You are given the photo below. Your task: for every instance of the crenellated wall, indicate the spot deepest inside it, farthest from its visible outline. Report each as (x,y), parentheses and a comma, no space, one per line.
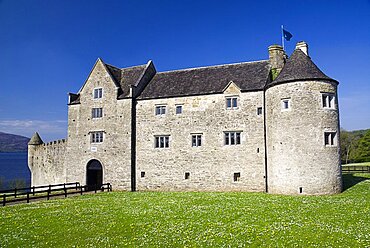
(46,162)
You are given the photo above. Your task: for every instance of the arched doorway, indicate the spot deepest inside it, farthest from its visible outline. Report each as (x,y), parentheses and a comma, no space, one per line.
(94,174)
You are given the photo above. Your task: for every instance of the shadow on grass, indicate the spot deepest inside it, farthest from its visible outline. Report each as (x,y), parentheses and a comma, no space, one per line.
(350,180)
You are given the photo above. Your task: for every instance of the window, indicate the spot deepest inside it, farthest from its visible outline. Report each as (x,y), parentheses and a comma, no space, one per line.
(96,137)
(187,175)
(237,177)
(259,111)
(231,102)
(162,142)
(98,93)
(160,110)
(196,140)
(328,101)
(97,113)
(142,174)
(179,109)
(330,138)
(285,104)
(232,138)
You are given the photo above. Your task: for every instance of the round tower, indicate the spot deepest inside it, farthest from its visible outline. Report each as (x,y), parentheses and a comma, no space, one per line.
(32,145)
(302,129)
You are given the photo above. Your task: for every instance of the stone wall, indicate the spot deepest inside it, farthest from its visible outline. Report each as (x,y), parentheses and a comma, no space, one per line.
(114,153)
(211,166)
(46,163)
(298,160)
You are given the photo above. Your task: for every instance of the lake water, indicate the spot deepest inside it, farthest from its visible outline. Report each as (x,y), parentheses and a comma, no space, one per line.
(14,166)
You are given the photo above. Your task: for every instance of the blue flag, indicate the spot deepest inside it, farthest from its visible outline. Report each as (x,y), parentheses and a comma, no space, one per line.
(287,35)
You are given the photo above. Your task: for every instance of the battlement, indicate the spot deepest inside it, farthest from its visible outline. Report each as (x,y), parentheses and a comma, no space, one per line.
(55,142)
(46,161)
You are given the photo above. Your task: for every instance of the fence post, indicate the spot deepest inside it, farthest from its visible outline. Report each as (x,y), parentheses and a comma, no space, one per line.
(81,189)
(15,193)
(65,190)
(95,187)
(33,189)
(28,197)
(49,191)
(4,199)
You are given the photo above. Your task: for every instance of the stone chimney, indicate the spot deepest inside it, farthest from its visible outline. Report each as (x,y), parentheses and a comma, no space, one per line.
(276,57)
(303,46)
(277,60)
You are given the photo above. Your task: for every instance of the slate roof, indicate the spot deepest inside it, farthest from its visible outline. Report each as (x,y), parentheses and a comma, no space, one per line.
(248,76)
(125,77)
(299,67)
(36,139)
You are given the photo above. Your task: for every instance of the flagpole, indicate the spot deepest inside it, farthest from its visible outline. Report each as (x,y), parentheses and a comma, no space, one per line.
(282,36)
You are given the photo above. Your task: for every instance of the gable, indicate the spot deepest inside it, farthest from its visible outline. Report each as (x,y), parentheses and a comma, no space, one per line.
(98,76)
(232,88)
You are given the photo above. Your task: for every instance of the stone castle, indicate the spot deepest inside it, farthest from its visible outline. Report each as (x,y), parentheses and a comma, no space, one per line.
(267,126)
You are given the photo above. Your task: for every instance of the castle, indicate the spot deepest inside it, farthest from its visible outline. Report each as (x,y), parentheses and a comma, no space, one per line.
(266,126)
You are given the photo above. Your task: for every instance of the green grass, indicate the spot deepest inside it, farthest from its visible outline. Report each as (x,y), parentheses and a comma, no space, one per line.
(358,164)
(193,219)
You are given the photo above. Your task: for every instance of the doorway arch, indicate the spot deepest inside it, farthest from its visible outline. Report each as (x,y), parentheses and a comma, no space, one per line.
(94,174)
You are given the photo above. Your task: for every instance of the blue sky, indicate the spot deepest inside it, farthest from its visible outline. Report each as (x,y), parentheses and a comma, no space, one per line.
(48,48)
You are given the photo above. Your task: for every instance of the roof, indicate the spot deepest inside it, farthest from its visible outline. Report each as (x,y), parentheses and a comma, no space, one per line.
(299,67)
(123,78)
(248,76)
(35,140)
(126,77)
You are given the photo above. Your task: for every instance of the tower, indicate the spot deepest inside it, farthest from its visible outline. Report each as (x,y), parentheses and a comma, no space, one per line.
(32,146)
(302,129)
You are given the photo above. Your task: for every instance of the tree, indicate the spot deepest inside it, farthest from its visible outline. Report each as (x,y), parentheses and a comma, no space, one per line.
(363,149)
(349,145)
(2,180)
(17,183)
(346,140)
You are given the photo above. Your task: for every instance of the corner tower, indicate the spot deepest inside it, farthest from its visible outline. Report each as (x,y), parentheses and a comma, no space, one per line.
(34,142)
(302,129)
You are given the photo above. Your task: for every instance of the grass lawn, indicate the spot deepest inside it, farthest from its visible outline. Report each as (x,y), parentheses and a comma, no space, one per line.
(193,219)
(358,164)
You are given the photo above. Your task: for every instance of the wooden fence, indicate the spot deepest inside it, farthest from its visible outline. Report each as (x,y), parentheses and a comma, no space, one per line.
(355,169)
(49,191)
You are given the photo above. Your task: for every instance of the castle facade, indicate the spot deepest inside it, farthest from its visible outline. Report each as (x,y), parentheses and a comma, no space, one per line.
(266,126)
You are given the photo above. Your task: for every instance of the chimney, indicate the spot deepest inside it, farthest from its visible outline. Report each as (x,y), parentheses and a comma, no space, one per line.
(276,57)
(303,46)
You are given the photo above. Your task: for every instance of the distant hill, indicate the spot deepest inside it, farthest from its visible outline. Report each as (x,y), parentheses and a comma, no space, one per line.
(13,143)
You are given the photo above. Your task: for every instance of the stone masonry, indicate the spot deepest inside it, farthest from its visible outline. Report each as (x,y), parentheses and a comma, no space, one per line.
(266,126)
